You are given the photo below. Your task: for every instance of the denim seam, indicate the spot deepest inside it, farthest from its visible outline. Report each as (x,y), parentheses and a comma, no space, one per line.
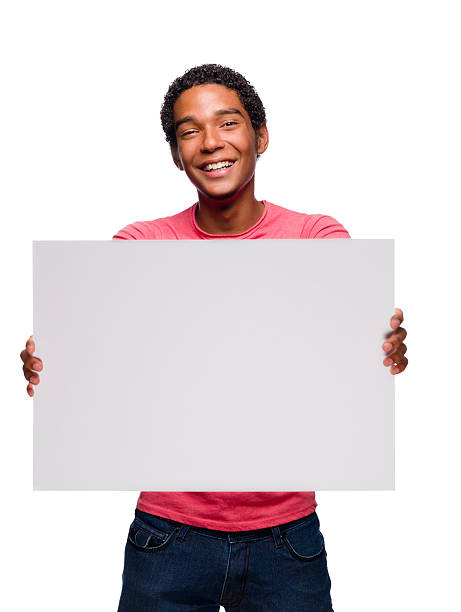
(151,529)
(241,595)
(308,558)
(307,519)
(227,569)
(154,549)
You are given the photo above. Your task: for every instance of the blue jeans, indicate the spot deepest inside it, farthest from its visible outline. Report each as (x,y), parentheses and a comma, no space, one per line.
(174,567)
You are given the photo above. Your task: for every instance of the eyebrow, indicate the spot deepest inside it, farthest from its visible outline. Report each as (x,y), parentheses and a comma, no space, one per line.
(223,111)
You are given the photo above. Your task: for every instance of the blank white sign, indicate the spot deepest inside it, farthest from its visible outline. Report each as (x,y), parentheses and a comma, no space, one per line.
(214,365)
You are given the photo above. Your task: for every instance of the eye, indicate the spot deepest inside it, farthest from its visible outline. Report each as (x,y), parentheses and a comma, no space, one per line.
(187,133)
(231,123)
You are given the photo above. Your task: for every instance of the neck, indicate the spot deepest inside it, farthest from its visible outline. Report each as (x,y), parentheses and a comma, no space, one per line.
(232,215)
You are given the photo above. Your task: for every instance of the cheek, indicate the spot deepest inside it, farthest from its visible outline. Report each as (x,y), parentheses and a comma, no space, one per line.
(247,150)
(184,156)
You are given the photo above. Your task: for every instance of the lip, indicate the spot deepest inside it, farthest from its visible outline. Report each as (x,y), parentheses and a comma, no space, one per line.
(218,173)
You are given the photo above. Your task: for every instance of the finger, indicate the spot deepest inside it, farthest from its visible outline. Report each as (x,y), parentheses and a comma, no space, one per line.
(395,339)
(29,350)
(31,362)
(395,357)
(396,369)
(397,349)
(30,346)
(34,363)
(397,318)
(30,390)
(32,377)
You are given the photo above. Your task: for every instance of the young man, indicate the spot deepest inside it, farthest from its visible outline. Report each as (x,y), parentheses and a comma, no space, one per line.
(199,550)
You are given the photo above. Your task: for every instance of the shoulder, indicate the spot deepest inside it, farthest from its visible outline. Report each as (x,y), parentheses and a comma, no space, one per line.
(164,228)
(139,230)
(308,225)
(323,226)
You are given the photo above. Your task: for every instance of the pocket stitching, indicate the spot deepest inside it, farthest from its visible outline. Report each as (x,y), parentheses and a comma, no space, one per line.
(302,557)
(152,549)
(152,530)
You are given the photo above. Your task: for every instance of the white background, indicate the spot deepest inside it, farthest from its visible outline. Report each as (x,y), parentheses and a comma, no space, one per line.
(363,104)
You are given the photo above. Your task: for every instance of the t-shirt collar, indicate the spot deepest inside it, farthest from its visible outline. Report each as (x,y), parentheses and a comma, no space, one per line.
(205,234)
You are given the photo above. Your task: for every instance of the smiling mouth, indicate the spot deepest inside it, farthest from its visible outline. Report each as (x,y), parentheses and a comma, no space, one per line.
(217,169)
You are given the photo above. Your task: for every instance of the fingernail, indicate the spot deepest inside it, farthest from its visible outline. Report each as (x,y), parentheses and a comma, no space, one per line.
(387,346)
(387,361)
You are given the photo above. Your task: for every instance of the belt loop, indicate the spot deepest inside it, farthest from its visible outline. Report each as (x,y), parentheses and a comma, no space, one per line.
(276,536)
(182,532)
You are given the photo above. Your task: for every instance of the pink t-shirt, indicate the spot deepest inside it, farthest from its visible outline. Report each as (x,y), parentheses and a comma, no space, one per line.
(232,511)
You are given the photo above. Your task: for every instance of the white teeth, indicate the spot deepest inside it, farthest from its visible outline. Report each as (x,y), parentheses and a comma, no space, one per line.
(223,164)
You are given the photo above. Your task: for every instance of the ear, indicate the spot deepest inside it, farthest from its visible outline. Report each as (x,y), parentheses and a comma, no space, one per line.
(176,158)
(262,140)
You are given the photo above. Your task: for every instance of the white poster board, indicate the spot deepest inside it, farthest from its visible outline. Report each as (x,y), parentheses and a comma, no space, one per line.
(214,365)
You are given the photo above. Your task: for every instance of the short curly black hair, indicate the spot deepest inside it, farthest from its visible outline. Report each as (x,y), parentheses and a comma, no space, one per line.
(211,73)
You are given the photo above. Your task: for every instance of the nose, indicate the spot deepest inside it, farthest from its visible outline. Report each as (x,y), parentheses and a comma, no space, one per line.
(211,140)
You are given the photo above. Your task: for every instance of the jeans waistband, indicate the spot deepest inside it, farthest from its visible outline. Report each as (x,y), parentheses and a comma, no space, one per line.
(234,536)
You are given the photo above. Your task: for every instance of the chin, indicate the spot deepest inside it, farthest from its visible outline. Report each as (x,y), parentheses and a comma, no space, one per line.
(224,195)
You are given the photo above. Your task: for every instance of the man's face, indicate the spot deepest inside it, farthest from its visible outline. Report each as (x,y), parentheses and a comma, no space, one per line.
(213,126)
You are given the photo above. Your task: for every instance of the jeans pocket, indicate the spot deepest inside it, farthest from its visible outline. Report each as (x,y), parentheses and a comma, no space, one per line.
(147,538)
(305,541)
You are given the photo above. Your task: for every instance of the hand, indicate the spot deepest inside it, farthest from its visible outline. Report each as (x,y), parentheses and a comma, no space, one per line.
(31,363)
(394,346)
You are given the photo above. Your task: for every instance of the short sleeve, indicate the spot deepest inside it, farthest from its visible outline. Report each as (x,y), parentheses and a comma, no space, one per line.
(323,226)
(139,230)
